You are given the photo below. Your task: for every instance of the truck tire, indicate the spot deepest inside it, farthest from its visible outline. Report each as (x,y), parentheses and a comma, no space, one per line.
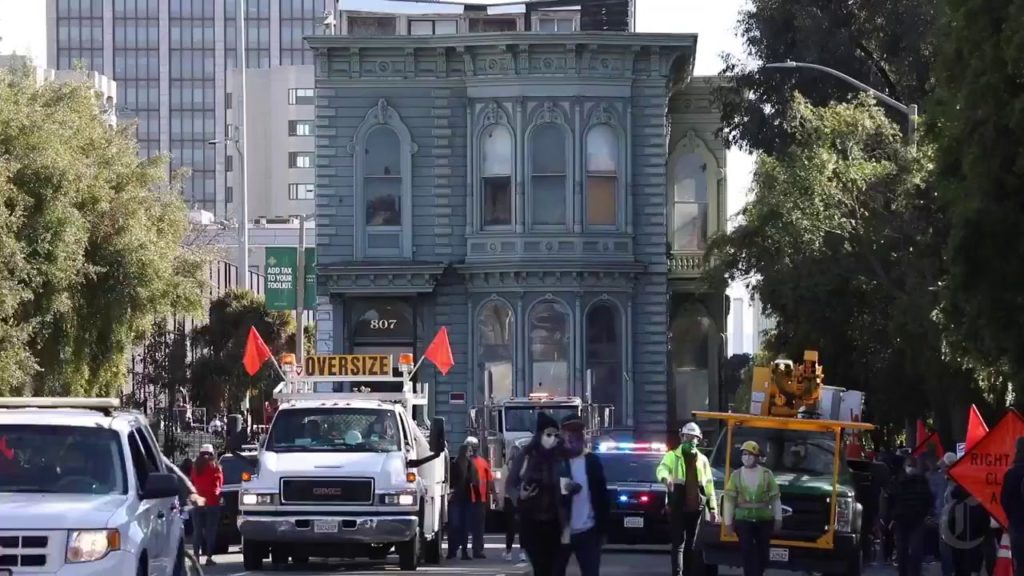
(252,555)
(433,549)
(279,556)
(409,554)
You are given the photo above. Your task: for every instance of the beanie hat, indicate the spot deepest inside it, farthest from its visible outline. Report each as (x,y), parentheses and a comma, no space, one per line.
(545,421)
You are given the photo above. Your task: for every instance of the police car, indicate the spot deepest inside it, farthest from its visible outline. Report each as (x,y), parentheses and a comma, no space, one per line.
(84,491)
(638,500)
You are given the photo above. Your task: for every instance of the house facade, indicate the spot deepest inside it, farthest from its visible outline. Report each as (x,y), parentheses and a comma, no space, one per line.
(545,197)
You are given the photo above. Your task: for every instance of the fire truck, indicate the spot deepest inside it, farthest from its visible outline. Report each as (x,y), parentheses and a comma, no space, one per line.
(502,423)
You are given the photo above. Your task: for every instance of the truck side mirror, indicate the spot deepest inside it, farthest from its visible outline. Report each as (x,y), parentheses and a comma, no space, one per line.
(437,437)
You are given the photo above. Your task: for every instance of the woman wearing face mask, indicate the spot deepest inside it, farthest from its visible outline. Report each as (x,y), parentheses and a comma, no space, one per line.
(208,479)
(752,508)
(543,510)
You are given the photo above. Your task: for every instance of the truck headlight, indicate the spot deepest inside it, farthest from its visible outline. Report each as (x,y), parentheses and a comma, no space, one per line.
(398,499)
(91,545)
(844,514)
(254,499)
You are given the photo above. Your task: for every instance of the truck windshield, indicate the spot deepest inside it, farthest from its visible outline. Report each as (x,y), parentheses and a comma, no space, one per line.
(334,429)
(61,459)
(783,451)
(524,418)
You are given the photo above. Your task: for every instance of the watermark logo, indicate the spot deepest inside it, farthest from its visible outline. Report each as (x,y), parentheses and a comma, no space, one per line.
(954,525)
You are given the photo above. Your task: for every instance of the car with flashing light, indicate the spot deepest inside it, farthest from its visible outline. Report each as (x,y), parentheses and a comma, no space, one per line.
(821,515)
(85,491)
(638,500)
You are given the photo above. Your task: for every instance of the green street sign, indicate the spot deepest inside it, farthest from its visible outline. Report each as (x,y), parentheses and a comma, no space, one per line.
(281,275)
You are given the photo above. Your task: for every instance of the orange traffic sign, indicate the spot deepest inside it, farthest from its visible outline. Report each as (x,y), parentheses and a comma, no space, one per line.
(982,468)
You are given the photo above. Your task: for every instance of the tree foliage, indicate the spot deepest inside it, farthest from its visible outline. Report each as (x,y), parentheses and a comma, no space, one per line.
(218,379)
(887,44)
(979,125)
(90,242)
(842,241)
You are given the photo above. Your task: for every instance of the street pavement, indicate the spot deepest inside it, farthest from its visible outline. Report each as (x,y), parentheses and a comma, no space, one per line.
(616,561)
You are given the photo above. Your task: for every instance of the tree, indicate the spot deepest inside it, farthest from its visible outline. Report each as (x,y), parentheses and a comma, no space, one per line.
(979,126)
(218,379)
(840,243)
(887,44)
(90,242)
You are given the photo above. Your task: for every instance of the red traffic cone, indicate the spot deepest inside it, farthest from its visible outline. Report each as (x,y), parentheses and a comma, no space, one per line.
(1004,565)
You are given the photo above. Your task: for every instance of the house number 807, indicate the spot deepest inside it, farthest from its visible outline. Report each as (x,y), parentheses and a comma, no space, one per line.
(382,324)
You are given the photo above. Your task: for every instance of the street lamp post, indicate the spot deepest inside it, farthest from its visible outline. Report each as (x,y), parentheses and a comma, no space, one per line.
(300,293)
(910,111)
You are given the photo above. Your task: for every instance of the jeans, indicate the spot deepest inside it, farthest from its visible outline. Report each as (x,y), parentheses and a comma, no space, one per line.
(511,524)
(543,544)
(204,524)
(910,548)
(755,543)
(946,557)
(458,525)
(477,519)
(684,532)
(586,546)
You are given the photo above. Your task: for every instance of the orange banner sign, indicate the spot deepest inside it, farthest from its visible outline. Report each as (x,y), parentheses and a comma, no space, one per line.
(982,468)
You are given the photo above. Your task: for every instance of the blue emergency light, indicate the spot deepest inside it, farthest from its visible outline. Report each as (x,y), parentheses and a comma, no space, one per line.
(649,447)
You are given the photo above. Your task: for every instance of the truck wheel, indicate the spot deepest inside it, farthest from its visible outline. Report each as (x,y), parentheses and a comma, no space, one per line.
(433,549)
(252,555)
(409,554)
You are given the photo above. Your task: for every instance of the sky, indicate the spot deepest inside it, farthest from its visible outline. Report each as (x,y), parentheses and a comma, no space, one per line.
(23,30)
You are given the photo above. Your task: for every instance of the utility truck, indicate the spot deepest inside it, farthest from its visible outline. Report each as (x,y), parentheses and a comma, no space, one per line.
(501,423)
(346,470)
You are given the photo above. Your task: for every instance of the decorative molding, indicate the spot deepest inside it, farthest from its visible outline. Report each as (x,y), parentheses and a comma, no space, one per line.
(358,278)
(442,62)
(354,63)
(602,113)
(550,112)
(323,59)
(686,264)
(494,113)
(548,281)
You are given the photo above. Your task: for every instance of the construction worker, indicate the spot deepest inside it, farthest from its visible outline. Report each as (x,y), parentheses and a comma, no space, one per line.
(752,509)
(687,476)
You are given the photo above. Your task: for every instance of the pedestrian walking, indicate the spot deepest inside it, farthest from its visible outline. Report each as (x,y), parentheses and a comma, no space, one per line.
(752,509)
(590,508)
(543,511)
(1012,499)
(912,505)
(511,505)
(463,482)
(480,497)
(686,473)
(208,479)
(945,506)
(965,531)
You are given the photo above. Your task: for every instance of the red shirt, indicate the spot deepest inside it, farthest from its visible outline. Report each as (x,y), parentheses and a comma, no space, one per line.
(208,483)
(483,472)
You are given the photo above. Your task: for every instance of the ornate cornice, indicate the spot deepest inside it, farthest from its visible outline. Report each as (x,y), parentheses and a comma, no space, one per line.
(497,279)
(381,278)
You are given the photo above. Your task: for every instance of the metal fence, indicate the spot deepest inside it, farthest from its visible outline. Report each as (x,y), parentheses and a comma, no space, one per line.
(160,369)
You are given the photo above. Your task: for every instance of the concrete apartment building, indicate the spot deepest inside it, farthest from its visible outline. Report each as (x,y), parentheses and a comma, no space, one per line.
(104,87)
(546,197)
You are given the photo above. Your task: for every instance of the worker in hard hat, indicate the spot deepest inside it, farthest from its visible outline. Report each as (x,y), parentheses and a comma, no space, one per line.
(752,509)
(687,475)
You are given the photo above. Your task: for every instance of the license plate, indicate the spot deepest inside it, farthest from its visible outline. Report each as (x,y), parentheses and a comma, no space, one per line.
(325,526)
(633,522)
(778,554)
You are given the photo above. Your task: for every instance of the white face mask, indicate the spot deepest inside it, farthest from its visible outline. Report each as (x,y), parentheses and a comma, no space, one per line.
(549,440)
(749,460)
(910,470)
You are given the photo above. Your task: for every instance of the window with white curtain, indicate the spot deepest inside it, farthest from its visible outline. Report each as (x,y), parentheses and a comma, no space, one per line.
(550,340)
(602,166)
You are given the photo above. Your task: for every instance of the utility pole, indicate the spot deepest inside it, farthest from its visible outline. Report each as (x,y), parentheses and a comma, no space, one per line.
(243,126)
(300,294)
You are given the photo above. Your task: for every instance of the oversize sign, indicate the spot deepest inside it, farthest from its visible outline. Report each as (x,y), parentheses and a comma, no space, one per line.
(982,468)
(281,278)
(344,366)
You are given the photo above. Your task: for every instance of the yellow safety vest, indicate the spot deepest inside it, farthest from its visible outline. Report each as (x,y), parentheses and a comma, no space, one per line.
(673,467)
(752,503)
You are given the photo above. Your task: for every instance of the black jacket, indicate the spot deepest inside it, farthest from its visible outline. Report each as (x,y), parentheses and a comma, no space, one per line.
(912,500)
(598,486)
(1012,496)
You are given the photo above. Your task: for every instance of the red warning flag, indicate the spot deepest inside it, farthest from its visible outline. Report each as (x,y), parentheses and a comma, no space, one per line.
(256,352)
(440,352)
(976,427)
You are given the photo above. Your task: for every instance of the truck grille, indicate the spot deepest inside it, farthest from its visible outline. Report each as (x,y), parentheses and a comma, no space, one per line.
(324,490)
(810,515)
(23,551)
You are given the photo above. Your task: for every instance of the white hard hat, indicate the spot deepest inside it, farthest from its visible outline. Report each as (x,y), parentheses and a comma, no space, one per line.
(472,441)
(692,429)
(206,448)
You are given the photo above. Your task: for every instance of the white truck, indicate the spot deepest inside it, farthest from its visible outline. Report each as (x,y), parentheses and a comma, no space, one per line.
(347,473)
(500,424)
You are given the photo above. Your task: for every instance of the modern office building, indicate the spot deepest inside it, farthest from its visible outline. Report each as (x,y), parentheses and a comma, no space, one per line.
(545,197)
(172,60)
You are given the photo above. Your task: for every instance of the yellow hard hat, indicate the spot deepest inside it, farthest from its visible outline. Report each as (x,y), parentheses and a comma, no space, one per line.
(752,447)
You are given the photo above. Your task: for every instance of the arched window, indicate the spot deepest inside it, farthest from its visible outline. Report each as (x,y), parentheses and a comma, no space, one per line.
(549,175)
(495,344)
(690,203)
(382,178)
(602,176)
(692,329)
(496,174)
(604,354)
(549,336)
